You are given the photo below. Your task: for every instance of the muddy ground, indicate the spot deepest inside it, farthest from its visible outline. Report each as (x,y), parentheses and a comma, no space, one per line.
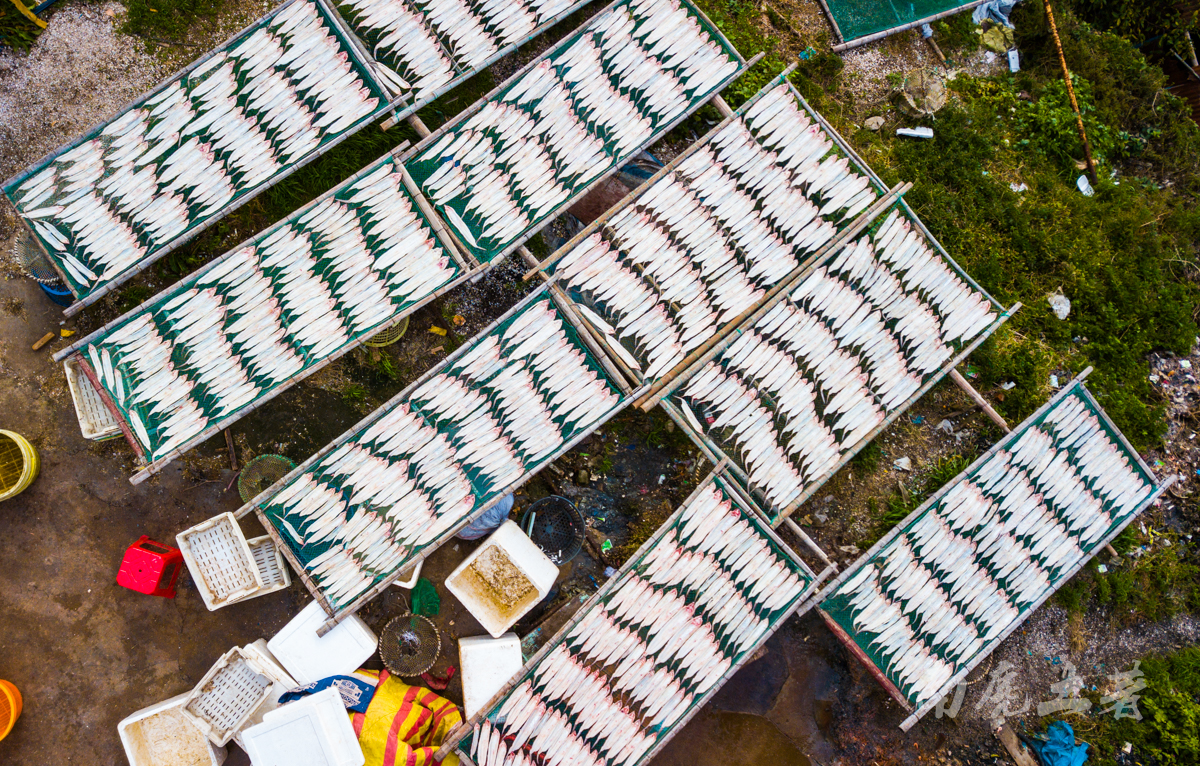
(86,653)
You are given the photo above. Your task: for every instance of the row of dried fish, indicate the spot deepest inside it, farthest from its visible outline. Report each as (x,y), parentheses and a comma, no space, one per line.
(297,294)
(963,571)
(422,47)
(704,243)
(186,152)
(631,71)
(854,342)
(495,413)
(650,649)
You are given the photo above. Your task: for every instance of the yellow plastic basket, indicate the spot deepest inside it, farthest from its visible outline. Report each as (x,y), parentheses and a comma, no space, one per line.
(10,707)
(18,464)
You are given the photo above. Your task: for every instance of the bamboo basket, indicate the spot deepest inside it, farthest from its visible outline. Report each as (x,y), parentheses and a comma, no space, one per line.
(19,464)
(390,335)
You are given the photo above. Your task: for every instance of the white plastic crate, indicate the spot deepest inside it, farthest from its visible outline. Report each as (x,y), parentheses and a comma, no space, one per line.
(220,560)
(272,569)
(487,665)
(96,422)
(281,683)
(313,731)
(229,694)
(162,735)
(309,657)
(526,557)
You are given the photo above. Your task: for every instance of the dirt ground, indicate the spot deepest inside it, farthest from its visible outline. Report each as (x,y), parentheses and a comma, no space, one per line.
(86,653)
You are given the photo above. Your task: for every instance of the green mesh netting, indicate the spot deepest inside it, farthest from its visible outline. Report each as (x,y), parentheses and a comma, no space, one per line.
(859,18)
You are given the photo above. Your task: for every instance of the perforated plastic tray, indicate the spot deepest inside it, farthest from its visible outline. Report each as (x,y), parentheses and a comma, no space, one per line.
(271,568)
(227,695)
(95,421)
(220,560)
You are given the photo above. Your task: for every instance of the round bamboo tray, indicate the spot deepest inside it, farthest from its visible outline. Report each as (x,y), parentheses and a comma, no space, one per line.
(19,464)
(389,336)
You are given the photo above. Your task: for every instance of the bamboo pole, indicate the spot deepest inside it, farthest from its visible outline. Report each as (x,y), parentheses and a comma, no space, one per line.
(976,397)
(702,355)
(1087,147)
(613,365)
(860,41)
(796,530)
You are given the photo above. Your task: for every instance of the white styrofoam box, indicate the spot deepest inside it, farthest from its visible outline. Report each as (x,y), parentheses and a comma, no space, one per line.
(411,582)
(96,422)
(537,568)
(312,731)
(487,664)
(219,557)
(230,693)
(161,735)
(281,683)
(310,658)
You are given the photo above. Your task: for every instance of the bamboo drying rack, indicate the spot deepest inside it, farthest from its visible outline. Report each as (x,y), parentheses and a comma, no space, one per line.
(1075,386)
(802,604)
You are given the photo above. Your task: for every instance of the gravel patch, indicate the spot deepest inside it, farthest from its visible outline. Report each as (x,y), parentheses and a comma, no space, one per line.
(81,71)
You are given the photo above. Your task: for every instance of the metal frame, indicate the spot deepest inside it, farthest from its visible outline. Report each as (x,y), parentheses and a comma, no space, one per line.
(916,713)
(805,601)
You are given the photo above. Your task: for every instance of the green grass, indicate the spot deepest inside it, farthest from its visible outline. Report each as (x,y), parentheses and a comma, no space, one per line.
(1125,257)
(902,503)
(167,19)
(16,30)
(1169,732)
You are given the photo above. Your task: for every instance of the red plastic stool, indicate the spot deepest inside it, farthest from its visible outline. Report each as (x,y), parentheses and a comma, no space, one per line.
(151,568)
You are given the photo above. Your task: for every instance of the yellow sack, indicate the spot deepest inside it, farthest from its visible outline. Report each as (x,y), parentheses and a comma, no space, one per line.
(404,725)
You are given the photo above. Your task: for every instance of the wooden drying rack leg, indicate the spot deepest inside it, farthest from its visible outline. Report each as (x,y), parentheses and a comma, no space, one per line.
(976,397)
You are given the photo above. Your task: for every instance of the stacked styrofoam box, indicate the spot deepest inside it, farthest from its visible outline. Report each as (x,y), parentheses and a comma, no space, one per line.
(312,731)
(309,657)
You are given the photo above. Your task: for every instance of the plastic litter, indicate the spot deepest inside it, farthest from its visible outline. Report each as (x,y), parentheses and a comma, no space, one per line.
(1059,304)
(1057,746)
(903,464)
(488,521)
(915,132)
(1085,187)
(995,10)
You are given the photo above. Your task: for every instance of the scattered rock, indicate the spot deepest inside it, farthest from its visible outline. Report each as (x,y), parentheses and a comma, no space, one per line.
(873,123)
(582,477)
(903,464)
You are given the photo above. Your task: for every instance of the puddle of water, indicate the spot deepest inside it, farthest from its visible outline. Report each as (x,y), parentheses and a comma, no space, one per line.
(718,738)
